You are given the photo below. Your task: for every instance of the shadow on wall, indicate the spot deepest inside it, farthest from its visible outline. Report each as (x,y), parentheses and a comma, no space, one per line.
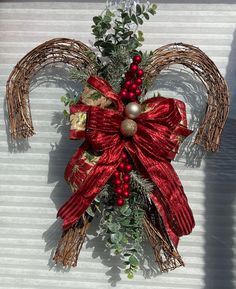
(231,77)
(61,152)
(220,205)
(220,201)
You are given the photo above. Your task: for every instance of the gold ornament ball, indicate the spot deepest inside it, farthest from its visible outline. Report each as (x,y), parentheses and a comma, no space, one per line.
(132,110)
(128,127)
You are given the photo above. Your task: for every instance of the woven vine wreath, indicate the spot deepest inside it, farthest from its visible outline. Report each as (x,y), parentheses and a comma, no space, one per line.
(124,162)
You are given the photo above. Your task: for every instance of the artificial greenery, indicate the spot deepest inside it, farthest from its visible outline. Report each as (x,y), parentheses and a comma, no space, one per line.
(112,31)
(122,227)
(117,39)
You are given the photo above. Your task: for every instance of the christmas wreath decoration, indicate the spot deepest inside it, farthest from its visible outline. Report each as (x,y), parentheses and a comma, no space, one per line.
(123,169)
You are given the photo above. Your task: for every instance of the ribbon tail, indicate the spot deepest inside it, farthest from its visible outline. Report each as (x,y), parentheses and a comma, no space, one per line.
(153,195)
(164,215)
(96,177)
(170,193)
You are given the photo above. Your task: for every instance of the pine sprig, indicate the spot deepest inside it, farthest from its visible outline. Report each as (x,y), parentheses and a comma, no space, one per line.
(140,184)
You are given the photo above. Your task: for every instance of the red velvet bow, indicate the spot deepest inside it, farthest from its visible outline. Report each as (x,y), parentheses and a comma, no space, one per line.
(152,148)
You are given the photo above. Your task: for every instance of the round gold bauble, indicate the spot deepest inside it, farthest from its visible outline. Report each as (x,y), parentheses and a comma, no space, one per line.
(128,127)
(132,110)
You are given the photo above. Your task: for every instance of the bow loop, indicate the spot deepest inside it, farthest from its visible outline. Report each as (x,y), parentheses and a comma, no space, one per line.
(161,110)
(102,128)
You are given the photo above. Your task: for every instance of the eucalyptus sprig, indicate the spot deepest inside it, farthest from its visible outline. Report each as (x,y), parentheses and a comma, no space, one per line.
(113,30)
(117,39)
(122,227)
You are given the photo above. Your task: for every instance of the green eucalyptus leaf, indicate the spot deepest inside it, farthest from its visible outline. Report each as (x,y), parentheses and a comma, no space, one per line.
(133,260)
(97,19)
(108,45)
(117,249)
(124,15)
(109,13)
(140,34)
(145,14)
(90,212)
(125,240)
(97,200)
(154,6)
(134,19)
(65,113)
(151,11)
(127,19)
(114,227)
(63,98)
(107,19)
(99,43)
(138,10)
(140,20)
(104,25)
(130,275)
(116,237)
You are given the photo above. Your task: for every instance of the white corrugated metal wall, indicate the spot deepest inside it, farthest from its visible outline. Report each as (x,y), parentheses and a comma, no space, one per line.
(31,181)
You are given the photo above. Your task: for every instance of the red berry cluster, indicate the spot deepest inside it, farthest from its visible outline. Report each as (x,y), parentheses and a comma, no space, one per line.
(121,180)
(133,81)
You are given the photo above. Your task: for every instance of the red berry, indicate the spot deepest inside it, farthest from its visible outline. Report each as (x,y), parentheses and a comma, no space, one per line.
(131,95)
(123,93)
(126,187)
(117,182)
(120,202)
(121,166)
(126,178)
(127,84)
(133,86)
(126,194)
(129,75)
(118,190)
(140,72)
(138,92)
(128,167)
(137,59)
(139,81)
(116,174)
(133,67)
(124,156)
